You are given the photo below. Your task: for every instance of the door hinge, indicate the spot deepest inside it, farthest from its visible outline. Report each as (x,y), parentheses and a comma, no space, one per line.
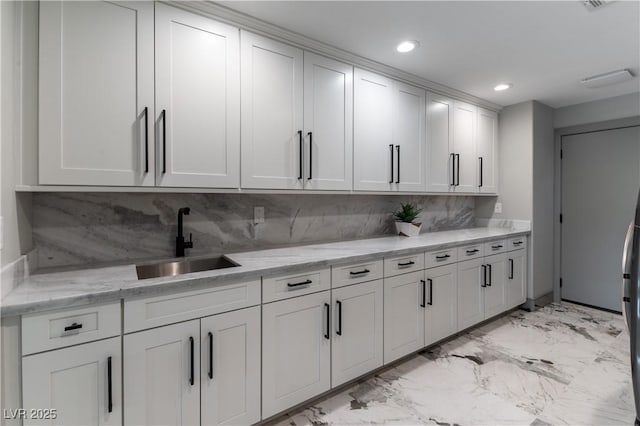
(560,217)
(560,282)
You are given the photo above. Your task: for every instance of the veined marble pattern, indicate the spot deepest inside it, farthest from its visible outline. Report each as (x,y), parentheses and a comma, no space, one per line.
(85,228)
(561,365)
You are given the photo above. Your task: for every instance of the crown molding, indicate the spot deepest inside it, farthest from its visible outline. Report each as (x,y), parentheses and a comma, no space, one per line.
(249,23)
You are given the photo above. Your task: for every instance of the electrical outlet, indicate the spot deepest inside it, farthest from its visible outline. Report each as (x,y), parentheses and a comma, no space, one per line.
(258,215)
(498,208)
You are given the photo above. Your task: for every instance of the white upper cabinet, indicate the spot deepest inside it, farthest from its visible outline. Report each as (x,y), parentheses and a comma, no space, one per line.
(373,148)
(197,100)
(96,96)
(439,143)
(409,137)
(271,113)
(487,147)
(328,129)
(464,147)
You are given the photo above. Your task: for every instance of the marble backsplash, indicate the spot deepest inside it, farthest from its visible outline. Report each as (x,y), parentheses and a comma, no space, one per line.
(74,229)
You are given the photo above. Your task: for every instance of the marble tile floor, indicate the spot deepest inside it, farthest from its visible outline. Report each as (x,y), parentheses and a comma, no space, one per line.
(563,364)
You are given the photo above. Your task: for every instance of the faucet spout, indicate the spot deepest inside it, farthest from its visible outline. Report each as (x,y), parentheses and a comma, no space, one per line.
(181,244)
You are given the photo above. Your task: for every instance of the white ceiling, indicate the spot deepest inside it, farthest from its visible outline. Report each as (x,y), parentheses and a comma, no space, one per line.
(543,47)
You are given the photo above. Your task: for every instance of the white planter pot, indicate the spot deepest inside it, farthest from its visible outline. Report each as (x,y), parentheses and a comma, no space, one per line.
(408,229)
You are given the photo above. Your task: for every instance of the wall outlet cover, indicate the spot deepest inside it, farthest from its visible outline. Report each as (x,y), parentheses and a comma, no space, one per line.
(498,208)
(258,215)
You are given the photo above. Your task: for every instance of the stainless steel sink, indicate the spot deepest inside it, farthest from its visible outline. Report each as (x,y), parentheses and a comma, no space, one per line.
(167,269)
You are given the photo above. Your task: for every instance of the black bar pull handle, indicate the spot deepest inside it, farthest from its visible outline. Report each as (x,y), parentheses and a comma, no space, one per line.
(497,246)
(164,141)
(423,304)
(364,271)
(481,173)
(310,134)
(305,282)
(327,309)
(430,291)
(490,268)
(146,139)
(517,243)
(474,251)
(510,269)
(191,357)
(484,276)
(300,153)
(109,386)
(74,326)
(398,152)
(443,257)
(457,169)
(409,263)
(210,334)
(452,156)
(391,149)
(339,327)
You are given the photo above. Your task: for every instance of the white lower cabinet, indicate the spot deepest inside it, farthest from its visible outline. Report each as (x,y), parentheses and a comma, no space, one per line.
(230,365)
(494,291)
(296,351)
(404,315)
(441,316)
(162,375)
(82,383)
(357,331)
(470,300)
(515,283)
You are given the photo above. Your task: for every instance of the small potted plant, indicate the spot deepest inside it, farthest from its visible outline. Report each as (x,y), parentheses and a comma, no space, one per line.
(404,220)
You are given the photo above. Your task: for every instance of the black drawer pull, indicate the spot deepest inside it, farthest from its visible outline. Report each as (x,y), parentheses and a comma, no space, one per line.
(510,269)
(423,304)
(339,328)
(430,291)
(74,326)
(192,361)
(443,257)
(328,311)
(496,247)
(490,267)
(306,282)
(517,243)
(109,386)
(474,251)
(409,263)
(484,276)
(364,271)
(210,373)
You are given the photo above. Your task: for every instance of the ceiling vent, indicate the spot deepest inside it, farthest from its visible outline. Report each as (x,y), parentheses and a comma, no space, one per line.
(607,79)
(592,5)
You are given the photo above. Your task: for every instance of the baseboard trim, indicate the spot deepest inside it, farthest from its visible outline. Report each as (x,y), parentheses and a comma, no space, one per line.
(533,304)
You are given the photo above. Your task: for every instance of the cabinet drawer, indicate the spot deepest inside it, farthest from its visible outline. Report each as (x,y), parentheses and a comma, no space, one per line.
(357,273)
(57,329)
(441,257)
(284,287)
(493,247)
(403,264)
(517,243)
(151,312)
(470,252)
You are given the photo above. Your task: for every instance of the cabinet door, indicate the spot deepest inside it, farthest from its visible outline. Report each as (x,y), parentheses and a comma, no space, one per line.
(495,293)
(404,312)
(442,303)
(439,143)
(83,383)
(409,121)
(373,150)
(470,297)
(230,354)
(96,93)
(162,375)
(271,111)
(296,351)
(464,147)
(197,100)
(516,278)
(487,146)
(328,112)
(357,331)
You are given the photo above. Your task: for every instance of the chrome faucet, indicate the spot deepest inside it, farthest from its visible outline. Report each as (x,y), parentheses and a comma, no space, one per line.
(181,244)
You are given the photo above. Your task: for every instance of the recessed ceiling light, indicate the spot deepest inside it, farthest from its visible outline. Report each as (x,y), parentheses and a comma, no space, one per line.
(502,86)
(407,46)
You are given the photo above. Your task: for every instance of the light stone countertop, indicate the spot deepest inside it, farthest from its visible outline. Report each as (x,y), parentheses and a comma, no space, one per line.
(43,292)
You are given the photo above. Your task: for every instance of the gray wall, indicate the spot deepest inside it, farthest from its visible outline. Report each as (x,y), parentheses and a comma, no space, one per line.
(542,225)
(88,228)
(602,110)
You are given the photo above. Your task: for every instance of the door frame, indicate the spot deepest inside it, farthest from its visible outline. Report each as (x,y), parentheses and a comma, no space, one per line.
(559,133)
